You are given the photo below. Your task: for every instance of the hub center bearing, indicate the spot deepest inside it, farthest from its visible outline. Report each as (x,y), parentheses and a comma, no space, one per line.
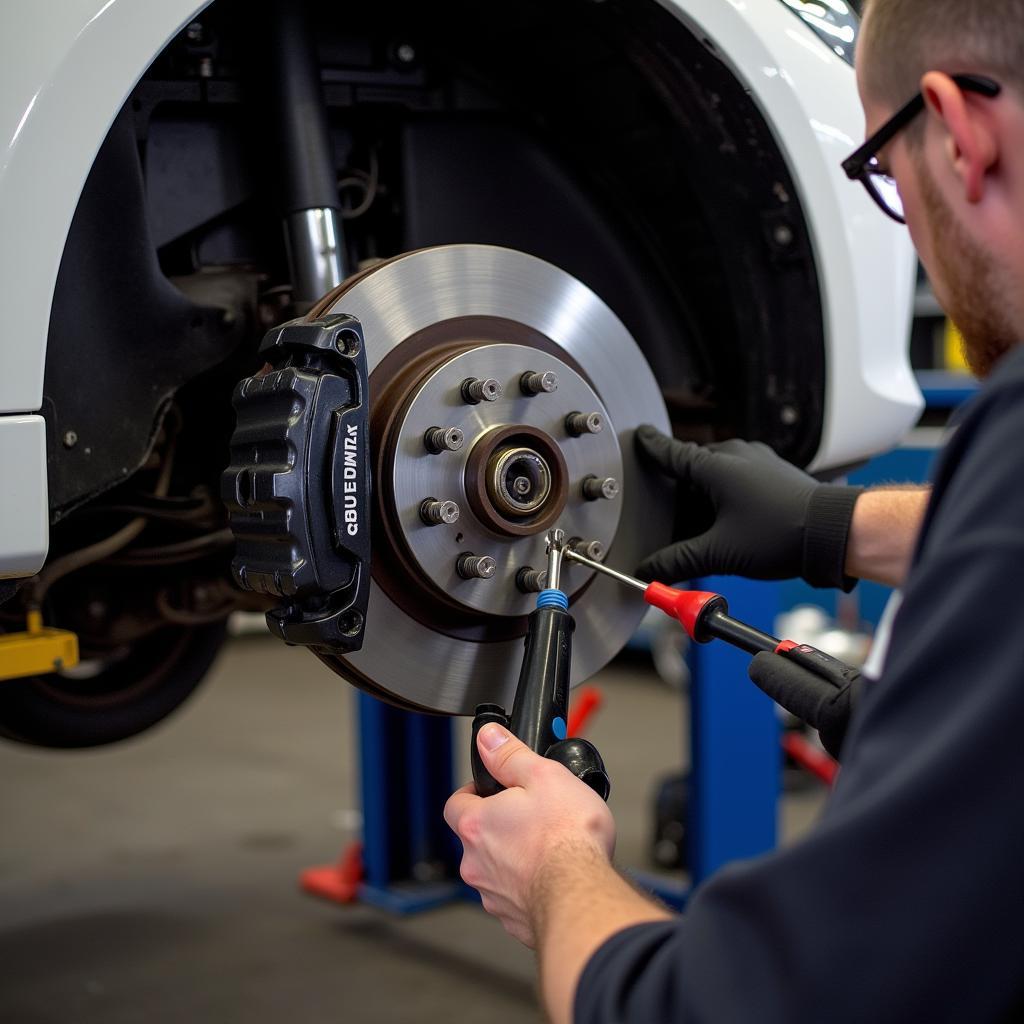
(518,481)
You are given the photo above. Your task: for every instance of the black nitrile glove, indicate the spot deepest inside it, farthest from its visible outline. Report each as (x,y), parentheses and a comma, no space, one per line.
(824,696)
(770,520)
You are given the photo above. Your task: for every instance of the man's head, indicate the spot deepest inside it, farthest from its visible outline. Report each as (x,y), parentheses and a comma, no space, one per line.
(960,165)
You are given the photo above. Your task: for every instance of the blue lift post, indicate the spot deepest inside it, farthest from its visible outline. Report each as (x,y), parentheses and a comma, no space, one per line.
(410,856)
(735,754)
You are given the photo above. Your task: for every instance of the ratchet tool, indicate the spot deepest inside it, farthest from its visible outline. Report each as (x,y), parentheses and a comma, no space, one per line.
(541,703)
(817,688)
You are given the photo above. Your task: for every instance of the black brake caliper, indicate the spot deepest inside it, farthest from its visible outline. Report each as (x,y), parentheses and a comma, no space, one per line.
(298,487)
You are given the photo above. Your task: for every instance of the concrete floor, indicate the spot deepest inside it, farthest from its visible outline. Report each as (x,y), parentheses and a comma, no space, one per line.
(156,880)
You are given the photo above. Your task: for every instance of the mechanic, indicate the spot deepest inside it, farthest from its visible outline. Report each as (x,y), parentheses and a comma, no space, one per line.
(906,900)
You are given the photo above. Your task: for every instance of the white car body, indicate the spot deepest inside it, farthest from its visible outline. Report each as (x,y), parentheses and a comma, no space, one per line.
(68,66)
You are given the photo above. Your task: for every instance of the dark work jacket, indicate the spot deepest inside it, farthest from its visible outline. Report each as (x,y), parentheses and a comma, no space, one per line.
(906,901)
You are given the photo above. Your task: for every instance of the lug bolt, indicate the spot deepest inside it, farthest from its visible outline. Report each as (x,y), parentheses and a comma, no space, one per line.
(592,549)
(476,567)
(530,580)
(443,439)
(439,513)
(595,488)
(580,423)
(475,391)
(538,383)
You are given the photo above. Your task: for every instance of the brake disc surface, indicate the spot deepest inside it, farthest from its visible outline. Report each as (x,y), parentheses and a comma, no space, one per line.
(434,320)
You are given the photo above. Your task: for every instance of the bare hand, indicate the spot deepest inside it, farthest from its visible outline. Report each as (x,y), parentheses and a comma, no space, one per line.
(544,815)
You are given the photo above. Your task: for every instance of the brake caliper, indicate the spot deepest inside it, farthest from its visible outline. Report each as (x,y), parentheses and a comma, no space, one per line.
(298,487)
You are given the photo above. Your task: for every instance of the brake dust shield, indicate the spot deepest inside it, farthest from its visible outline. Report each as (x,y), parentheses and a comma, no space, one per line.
(433,322)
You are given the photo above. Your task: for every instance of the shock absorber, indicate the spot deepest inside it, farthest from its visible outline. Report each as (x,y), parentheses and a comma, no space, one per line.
(307,175)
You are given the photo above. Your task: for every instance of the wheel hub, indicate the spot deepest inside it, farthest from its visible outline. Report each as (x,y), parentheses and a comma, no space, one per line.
(518,473)
(500,389)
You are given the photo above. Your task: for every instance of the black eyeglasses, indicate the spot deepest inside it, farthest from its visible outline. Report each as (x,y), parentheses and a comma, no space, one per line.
(863,166)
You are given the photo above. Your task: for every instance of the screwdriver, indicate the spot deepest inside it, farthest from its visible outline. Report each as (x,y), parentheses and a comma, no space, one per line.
(812,685)
(704,616)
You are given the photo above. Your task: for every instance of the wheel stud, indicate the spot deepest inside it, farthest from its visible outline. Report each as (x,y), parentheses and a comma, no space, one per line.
(580,423)
(439,513)
(592,549)
(538,383)
(595,488)
(476,567)
(530,580)
(443,439)
(475,391)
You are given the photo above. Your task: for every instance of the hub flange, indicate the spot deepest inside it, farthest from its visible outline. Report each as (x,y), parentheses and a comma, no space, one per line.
(512,442)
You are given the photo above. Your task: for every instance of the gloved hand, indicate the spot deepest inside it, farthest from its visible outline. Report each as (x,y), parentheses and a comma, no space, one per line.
(817,689)
(769,520)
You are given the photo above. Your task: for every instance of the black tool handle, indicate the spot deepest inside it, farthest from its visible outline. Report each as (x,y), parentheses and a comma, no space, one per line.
(540,710)
(583,760)
(541,707)
(486,784)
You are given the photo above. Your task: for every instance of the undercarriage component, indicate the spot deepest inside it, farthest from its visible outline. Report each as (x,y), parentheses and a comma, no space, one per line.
(111,694)
(37,649)
(117,319)
(308,181)
(298,487)
(448,600)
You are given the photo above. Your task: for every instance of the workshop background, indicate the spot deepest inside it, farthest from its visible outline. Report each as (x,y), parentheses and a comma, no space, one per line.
(274,849)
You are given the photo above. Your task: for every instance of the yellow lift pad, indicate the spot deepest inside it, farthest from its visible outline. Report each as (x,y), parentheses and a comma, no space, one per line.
(37,651)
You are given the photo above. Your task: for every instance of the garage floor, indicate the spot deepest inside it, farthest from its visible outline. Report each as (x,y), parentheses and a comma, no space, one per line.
(156,881)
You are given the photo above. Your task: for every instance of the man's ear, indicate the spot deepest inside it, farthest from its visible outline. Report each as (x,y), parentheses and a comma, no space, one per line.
(971,142)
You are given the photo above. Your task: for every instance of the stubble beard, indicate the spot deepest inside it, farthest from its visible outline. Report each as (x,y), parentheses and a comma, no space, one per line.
(973,296)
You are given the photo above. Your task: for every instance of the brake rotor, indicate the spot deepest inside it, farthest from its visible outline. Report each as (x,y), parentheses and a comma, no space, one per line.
(475,458)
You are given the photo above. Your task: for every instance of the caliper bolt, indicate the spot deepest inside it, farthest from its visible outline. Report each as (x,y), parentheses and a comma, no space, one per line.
(443,439)
(538,383)
(580,423)
(592,549)
(439,513)
(530,580)
(475,391)
(595,488)
(476,567)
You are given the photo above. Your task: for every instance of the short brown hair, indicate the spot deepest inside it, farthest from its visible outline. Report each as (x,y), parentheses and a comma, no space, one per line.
(906,38)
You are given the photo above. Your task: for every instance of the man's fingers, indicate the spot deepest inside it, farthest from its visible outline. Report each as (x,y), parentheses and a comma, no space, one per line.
(686,560)
(680,459)
(458,803)
(507,758)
